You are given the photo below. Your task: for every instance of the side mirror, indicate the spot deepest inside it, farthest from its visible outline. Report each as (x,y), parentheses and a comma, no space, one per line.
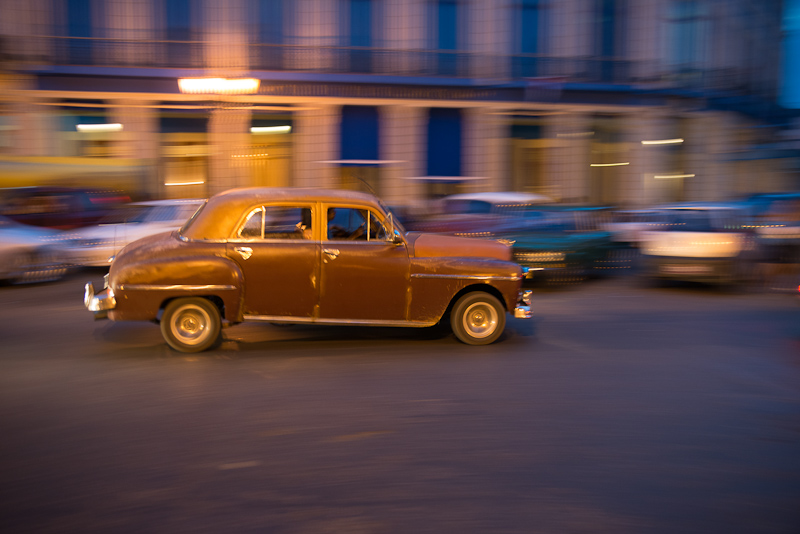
(392,235)
(388,224)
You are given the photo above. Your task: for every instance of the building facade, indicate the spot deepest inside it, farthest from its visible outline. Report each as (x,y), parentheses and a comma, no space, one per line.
(623,102)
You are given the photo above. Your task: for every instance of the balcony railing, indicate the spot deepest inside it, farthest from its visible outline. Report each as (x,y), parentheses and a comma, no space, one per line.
(364,60)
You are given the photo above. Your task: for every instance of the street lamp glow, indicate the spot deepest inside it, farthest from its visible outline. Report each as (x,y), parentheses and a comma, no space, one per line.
(183,183)
(115,127)
(677,141)
(270,129)
(670,176)
(218,85)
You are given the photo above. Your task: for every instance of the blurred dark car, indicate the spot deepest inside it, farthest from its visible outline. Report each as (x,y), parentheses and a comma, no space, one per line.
(477,214)
(61,208)
(556,242)
(561,243)
(777,228)
(762,204)
(29,254)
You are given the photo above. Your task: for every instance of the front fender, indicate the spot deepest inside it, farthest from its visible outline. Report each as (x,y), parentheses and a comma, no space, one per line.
(142,288)
(436,281)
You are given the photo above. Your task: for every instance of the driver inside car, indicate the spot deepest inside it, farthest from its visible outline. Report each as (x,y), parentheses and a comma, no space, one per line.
(354,224)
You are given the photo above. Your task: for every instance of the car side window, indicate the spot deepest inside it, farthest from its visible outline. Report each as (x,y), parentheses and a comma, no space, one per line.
(287,222)
(253,226)
(277,222)
(377,232)
(353,224)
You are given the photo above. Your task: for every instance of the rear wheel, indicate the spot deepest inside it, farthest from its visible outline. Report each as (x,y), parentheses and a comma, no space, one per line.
(478,318)
(191,324)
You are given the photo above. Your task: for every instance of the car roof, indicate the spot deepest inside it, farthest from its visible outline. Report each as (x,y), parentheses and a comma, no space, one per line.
(169,202)
(702,206)
(223,210)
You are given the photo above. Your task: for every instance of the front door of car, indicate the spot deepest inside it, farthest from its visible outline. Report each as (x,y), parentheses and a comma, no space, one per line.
(364,274)
(279,260)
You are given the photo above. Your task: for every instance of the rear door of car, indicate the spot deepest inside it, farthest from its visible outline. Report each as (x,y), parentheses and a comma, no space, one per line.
(364,274)
(279,257)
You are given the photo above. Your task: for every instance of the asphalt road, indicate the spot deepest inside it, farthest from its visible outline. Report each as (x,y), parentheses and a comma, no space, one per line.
(619,409)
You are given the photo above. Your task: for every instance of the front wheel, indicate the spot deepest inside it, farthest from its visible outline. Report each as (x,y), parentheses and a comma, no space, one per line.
(191,324)
(478,318)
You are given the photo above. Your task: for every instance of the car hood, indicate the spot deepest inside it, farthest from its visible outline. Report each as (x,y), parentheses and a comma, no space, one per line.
(559,240)
(122,233)
(437,246)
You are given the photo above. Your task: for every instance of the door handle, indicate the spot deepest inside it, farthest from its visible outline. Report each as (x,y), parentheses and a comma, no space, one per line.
(332,253)
(246,252)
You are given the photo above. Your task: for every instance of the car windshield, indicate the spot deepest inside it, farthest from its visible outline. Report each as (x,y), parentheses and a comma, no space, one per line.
(456,206)
(126,214)
(700,220)
(193,218)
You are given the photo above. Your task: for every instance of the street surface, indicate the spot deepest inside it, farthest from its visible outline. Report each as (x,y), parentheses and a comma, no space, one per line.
(619,409)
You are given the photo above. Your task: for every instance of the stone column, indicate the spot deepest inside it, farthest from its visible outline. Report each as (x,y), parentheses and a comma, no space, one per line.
(640,187)
(316,139)
(570,31)
(132,22)
(402,135)
(711,145)
(226,29)
(229,137)
(644,38)
(568,158)
(317,31)
(36,129)
(489,44)
(24,25)
(139,140)
(484,151)
(404,33)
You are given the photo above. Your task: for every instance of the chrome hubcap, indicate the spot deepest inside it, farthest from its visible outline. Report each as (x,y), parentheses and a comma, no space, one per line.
(190,325)
(480,320)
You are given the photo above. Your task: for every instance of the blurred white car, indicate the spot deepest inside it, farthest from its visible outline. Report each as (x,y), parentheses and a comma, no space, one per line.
(30,254)
(701,242)
(627,226)
(92,246)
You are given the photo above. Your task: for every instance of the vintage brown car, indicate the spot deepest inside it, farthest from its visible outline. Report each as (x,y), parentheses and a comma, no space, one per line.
(289,255)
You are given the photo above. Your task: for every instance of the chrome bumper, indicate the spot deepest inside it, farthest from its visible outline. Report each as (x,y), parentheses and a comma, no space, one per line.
(523,309)
(99,304)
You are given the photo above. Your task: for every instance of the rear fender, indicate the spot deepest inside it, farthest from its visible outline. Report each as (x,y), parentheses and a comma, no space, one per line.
(142,289)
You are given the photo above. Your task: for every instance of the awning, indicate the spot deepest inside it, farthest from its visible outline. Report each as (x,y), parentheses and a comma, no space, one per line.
(445,179)
(74,171)
(361,162)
